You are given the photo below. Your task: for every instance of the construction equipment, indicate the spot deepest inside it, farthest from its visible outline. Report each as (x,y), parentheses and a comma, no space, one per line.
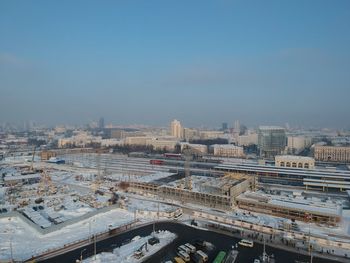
(97,182)
(46,187)
(189,154)
(32,164)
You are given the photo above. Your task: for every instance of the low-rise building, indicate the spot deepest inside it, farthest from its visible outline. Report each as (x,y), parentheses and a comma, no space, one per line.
(22,179)
(162,144)
(246,140)
(211,134)
(294,161)
(332,154)
(137,140)
(200,148)
(227,150)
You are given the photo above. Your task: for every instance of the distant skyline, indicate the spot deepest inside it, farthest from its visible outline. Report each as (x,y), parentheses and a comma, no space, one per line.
(201,62)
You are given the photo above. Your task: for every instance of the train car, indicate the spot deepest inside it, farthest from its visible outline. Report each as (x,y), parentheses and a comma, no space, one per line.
(176,156)
(156,162)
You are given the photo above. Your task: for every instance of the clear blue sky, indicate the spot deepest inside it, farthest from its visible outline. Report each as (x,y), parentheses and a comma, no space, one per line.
(203,62)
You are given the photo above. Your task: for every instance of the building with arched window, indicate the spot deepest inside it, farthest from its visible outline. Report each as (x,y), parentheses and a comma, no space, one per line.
(293,161)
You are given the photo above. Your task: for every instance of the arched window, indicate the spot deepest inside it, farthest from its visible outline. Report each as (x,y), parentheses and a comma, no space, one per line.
(306,165)
(282,164)
(300,165)
(288,164)
(294,165)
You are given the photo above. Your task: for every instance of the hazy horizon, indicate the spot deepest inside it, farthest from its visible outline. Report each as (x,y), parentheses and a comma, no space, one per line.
(201,62)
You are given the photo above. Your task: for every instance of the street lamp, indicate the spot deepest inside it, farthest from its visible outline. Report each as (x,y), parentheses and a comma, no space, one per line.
(81,255)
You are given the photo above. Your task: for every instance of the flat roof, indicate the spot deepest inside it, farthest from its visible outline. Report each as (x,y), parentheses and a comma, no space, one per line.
(22,177)
(271,128)
(294,157)
(316,207)
(284,170)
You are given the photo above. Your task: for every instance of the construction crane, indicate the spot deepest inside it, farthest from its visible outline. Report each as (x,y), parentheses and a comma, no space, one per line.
(45,185)
(189,154)
(32,164)
(97,182)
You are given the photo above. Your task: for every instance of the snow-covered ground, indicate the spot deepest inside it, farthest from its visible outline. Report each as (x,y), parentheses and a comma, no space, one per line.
(125,253)
(26,241)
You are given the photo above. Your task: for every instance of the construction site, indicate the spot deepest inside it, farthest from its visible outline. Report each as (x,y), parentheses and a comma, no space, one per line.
(52,195)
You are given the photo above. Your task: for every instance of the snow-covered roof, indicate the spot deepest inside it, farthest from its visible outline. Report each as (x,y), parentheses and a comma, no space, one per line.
(294,157)
(21,177)
(311,205)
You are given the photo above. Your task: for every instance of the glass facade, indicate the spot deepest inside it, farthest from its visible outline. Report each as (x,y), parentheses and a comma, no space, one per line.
(271,141)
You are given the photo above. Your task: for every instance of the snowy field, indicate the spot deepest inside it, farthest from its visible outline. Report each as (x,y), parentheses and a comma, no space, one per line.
(26,241)
(125,253)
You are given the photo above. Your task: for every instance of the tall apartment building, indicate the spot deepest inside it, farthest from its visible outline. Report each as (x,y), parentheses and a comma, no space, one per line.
(271,141)
(176,129)
(332,154)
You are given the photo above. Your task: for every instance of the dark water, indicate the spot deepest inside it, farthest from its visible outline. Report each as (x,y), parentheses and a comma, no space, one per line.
(187,234)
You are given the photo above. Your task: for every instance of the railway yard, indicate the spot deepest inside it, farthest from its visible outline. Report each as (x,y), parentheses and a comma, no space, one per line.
(46,206)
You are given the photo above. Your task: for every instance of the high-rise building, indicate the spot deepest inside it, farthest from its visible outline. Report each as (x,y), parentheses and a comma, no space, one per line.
(101,123)
(224,126)
(176,129)
(271,141)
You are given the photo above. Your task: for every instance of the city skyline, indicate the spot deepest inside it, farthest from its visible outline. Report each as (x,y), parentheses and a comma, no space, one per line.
(202,63)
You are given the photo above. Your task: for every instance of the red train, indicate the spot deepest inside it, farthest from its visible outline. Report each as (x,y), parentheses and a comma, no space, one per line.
(157,162)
